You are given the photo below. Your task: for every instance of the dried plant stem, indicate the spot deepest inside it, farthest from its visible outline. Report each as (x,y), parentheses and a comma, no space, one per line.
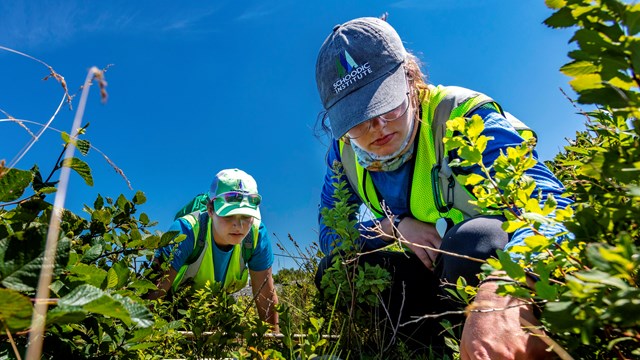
(554,346)
(13,343)
(36,336)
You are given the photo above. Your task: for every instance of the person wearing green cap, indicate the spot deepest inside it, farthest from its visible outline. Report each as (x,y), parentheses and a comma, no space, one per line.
(225,243)
(387,127)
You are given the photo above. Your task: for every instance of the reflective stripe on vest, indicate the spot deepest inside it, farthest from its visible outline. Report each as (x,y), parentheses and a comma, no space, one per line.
(202,269)
(442,104)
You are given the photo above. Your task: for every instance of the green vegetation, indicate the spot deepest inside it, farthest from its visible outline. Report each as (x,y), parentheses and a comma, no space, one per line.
(587,287)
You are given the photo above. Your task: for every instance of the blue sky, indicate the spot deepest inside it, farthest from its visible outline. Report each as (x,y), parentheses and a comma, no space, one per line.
(198,86)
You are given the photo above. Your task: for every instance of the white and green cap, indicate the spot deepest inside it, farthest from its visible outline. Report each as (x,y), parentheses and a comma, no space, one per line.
(234,192)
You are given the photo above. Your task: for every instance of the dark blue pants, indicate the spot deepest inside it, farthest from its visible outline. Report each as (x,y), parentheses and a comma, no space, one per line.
(416,290)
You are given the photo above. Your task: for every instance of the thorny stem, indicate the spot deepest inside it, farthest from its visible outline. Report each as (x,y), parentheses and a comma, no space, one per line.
(38,320)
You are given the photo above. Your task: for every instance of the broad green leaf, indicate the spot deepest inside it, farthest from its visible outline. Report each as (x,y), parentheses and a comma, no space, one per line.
(577,68)
(122,271)
(21,260)
(513,270)
(13,183)
(93,253)
(112,278)
(15,310)
(632,19)
(471,179)
(546,290)
(601,277)
(79,167)
(138,313)
(142,286)
(555,4)
(89,274)
(561,19)
(65,315)
(91,299)
(83,146)
(586,82)
(139,198)
(511,226)
(537,242)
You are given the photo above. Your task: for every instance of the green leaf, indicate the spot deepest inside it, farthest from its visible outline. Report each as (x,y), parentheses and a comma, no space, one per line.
(632,19)
(139,198)
(561,19)
(586,82)
(112,278)
(511,226)
(577,68)
(80,167)
(89,274)
(513,270)
(83,146)
(546,290)
(21,260)
(471,179)
(13,183)
(555,4)
(122,271)
(91,299)
(15,310)
(93,253)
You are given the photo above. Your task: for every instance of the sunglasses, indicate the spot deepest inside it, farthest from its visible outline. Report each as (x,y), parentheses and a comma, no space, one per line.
(235,197)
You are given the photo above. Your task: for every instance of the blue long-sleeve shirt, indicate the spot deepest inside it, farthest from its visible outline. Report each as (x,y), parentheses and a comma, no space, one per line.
(393,185)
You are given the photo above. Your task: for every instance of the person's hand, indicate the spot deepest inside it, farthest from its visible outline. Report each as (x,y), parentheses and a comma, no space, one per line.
(419,233)
(499,335)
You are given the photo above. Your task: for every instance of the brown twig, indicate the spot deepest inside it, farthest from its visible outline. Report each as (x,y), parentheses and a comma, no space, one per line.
(13,343)
(554,346)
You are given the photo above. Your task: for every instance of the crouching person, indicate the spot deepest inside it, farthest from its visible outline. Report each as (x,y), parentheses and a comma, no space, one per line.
(226,243)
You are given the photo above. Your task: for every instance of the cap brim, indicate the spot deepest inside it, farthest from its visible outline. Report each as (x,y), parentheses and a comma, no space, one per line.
(376,98)
(225,209)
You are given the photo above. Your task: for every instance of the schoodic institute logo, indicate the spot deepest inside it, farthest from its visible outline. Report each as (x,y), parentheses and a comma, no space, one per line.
(349,71)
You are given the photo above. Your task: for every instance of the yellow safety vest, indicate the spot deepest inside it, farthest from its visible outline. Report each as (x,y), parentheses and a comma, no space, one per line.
(434,193)
(202,270)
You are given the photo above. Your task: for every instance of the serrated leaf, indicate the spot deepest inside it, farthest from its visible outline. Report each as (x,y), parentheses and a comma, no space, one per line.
(47,190)
(91,299)
(13,183)
(89,274)
(21,260)
(15,310)
(80,167)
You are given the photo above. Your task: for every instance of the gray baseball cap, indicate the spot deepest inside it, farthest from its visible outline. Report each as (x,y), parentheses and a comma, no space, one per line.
(359,72)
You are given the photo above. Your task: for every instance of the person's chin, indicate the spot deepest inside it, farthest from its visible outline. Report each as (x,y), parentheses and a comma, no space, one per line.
(235,239)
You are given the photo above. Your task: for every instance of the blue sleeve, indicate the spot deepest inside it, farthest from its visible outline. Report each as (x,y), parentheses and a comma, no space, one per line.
(262,257)
(328,239)
(505,136)
(183,249)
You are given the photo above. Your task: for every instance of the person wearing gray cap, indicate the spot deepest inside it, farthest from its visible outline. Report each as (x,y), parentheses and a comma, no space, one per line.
(388,126)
